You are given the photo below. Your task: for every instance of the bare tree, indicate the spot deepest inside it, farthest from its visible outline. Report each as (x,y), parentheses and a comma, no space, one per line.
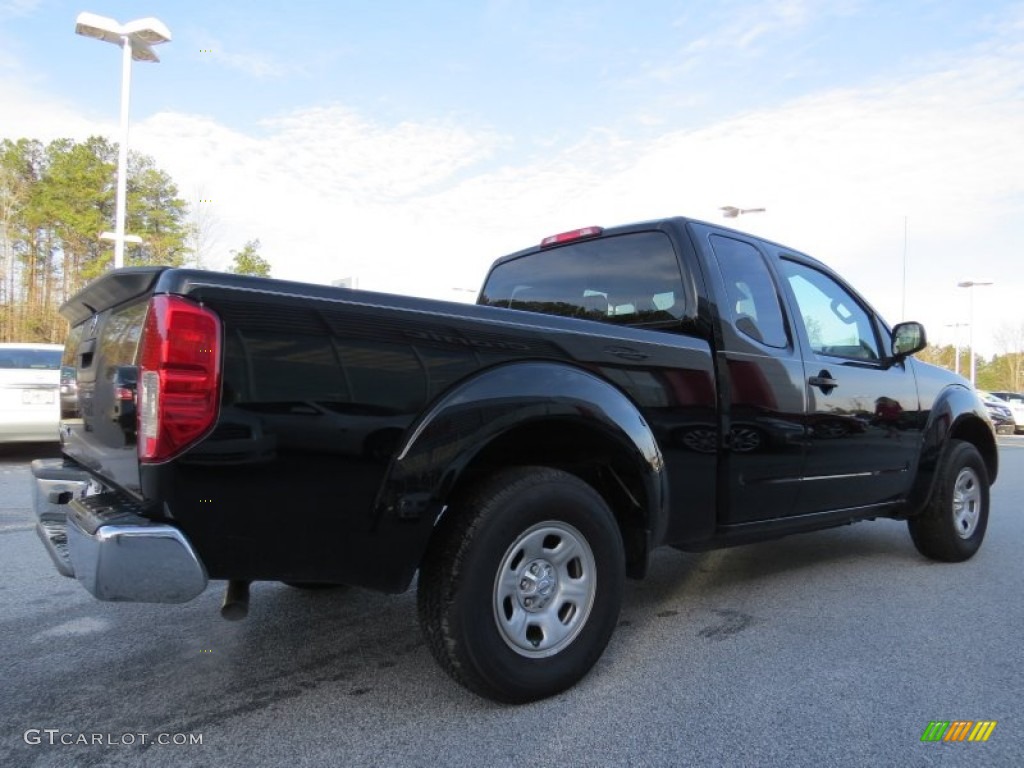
(204,230)
(944,356)
(10,206)
(1011,342)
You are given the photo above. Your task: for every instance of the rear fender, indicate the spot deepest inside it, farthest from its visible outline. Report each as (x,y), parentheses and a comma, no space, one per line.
(464,422)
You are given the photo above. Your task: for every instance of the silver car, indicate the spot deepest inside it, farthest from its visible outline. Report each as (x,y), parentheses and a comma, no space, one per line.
(29,392)
(1015,402)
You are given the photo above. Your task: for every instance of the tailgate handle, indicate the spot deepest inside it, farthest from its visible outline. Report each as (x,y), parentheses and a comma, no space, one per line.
(85,350)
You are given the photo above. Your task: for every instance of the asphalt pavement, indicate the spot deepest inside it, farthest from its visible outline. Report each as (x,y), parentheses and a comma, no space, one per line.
(835,648)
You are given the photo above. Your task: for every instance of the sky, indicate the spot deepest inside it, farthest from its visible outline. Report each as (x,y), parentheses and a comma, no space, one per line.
(409,144)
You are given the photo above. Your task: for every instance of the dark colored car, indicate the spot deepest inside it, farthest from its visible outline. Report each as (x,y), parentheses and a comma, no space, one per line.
(1015,402)
(124,380)
(68,392)
(1000,414)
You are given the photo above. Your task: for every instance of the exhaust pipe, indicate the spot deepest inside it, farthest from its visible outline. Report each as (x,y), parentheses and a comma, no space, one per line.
(236,601)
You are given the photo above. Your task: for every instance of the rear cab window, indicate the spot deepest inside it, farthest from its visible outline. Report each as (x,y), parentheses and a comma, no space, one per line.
(752,301)
(629,279)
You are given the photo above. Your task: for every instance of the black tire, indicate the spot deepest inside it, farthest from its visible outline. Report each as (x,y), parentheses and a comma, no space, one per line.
(538,630)
(952,526)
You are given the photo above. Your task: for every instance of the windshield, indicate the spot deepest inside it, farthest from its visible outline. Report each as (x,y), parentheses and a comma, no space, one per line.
(41,359)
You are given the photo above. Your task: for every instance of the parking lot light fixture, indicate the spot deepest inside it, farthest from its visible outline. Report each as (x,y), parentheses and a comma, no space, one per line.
(136,39)
(971,285)
(732,212)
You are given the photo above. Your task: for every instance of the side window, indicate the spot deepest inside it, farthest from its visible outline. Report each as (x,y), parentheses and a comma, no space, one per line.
(753,302)
(630,279)
(835,322)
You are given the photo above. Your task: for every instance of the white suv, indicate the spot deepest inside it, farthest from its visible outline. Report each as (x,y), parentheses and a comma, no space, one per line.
(29,392)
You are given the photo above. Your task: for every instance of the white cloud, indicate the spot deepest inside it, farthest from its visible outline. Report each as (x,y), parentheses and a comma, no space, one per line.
(37,115)
(260,65)
(745,25)
(333,148)
(10,9)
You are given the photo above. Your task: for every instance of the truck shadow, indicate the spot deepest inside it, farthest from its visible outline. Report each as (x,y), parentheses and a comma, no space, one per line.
(674,573)
(712,592)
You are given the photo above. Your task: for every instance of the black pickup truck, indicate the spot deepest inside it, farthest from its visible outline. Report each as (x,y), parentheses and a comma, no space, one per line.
(613,390)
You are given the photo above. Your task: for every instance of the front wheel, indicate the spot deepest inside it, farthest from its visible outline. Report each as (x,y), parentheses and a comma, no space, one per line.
(520,590)
(952,526)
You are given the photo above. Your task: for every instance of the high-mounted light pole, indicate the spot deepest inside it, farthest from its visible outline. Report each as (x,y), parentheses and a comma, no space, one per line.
(731,211)
(970,284)
(136,39)
(956,343)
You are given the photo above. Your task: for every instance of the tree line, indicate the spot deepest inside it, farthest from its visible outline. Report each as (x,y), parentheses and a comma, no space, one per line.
(999,373)
(55,200)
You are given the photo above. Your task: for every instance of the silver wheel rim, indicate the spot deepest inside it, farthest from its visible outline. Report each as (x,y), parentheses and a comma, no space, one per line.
(544,589)
(966,502)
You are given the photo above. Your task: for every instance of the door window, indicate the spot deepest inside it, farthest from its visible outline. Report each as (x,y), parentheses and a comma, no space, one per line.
(835,322)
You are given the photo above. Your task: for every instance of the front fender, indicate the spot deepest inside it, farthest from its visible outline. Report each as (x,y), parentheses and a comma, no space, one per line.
(956,414)
(446,438)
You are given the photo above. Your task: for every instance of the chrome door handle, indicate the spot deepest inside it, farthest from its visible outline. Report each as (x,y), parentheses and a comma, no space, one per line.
(823,381)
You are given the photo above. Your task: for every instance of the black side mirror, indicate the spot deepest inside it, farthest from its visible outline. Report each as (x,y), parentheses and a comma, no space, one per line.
(908,338)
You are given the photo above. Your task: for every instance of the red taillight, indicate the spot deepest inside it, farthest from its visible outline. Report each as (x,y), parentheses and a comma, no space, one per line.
(576,234)
(124,393)
(179,376)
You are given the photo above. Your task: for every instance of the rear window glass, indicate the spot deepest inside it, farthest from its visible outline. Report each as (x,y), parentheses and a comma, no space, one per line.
(629,279)
(42,359)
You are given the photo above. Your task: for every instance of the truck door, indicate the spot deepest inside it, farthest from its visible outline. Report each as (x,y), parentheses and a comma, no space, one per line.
(761,375)
(862,419)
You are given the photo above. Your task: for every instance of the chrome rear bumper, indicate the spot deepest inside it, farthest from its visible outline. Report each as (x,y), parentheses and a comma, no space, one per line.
(102,541)
(56,484)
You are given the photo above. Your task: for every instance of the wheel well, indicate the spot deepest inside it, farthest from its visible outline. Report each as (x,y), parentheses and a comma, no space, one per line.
(978,434)
(591,454)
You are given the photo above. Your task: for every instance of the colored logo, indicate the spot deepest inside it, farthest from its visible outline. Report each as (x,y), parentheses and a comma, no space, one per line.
(958,730)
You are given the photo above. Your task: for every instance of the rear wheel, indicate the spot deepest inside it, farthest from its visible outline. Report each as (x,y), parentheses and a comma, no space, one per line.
(952,526)
(520,590)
